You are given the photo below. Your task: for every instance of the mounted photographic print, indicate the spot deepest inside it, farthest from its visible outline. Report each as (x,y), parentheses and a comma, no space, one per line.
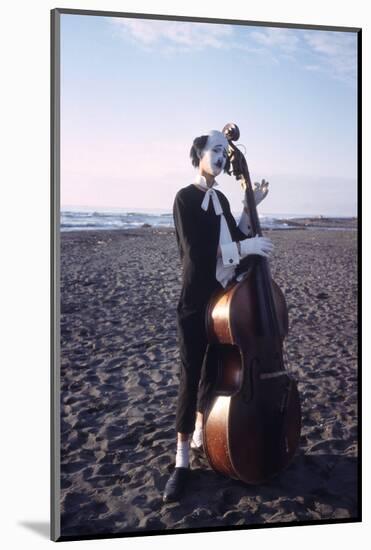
(205,204)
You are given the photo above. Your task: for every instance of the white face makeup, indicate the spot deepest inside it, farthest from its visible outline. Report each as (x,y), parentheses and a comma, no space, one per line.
(214,154)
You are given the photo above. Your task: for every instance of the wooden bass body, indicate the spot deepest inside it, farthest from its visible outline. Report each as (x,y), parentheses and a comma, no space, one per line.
(253,421)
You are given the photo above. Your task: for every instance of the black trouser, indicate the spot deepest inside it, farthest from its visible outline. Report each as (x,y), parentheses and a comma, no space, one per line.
(197,375)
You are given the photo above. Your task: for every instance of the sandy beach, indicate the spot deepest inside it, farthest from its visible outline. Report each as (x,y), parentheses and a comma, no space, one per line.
(119,381)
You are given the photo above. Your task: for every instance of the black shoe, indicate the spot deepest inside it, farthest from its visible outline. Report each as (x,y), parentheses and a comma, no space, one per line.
(175,484)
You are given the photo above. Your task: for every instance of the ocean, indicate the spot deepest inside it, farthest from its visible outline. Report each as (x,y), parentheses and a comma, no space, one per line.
(84,219)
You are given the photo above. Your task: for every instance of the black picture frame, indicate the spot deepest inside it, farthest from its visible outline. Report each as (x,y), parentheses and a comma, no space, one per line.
(56,14)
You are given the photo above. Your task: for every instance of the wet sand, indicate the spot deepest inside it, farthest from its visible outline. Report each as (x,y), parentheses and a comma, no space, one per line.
(119,380)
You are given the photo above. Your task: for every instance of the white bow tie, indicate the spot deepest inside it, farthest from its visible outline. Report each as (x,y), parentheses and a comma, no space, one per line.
(210,192)
(205,203)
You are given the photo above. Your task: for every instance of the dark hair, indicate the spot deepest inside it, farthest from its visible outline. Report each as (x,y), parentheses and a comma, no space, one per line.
(196,150)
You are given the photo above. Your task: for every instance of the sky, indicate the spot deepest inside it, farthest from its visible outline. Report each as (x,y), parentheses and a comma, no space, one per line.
(136,92)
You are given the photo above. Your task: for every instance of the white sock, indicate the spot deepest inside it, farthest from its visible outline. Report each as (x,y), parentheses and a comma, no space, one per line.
(182,454)
(197,435)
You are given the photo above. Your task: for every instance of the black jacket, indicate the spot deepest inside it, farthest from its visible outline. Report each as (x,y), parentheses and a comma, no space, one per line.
(197,233)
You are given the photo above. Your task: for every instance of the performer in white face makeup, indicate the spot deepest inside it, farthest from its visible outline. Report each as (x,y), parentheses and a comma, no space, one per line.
(210,245)
(214,156)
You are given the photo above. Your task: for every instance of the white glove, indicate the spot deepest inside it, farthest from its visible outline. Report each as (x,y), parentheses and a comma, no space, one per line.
(260,192)
(256,245)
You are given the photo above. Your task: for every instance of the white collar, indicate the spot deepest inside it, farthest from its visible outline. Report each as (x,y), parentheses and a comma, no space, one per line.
(201,181)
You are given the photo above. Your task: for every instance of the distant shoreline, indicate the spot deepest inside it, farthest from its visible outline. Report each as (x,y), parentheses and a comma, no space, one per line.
(126,222)
(322,222)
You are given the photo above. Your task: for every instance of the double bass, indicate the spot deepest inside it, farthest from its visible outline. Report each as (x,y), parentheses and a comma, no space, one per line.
(253,420)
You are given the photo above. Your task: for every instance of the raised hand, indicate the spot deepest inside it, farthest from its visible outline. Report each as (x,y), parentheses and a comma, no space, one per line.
(260,192)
